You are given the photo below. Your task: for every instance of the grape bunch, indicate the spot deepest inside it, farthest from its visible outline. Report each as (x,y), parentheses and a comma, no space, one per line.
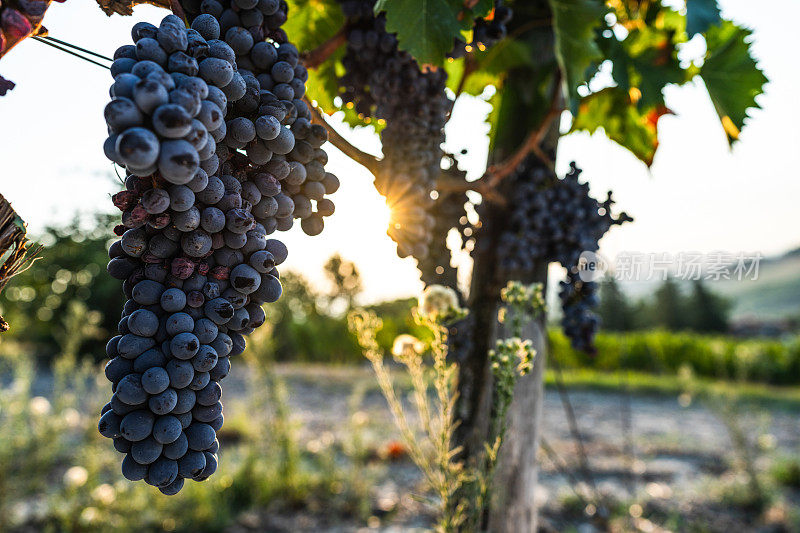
(448,212)
(554,219)
(579,321)
(195,264)
(486,31)
(270,138)
(386,84)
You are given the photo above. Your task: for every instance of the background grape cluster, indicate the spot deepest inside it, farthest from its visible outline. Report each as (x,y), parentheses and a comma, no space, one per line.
(385,83)
(555,219)
(448,212)
(194,256)
(486,31)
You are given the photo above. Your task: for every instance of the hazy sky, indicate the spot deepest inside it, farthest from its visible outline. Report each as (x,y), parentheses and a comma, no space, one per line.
(698,195)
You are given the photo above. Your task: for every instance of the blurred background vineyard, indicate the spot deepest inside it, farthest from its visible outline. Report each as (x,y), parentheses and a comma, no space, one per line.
(308,441)
(709,327)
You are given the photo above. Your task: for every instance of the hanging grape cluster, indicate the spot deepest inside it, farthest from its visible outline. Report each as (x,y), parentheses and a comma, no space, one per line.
(486,32)
(448,212)
(270,139)
(555,219)
(386,84)
(579,321)
(194,256)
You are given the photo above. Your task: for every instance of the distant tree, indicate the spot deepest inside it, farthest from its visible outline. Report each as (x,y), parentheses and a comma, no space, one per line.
(615,311)
(708,312)
(345,279)
(669,307)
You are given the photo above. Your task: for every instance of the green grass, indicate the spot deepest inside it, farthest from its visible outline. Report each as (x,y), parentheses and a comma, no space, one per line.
(336,377)
(672,385)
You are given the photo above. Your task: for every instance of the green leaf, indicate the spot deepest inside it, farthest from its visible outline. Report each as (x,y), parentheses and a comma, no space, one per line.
(312,22)
(483,8)
(700,15)
(425,29)
(651,59)
(731,75)
(574,24)
(489,67)
(506,55)
(475,83)
(612,110)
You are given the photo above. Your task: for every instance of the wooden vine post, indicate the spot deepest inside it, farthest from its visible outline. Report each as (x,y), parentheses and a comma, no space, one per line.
(533,92)
(16,251)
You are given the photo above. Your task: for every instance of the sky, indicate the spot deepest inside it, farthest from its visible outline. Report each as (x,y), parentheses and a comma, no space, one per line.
(699,195)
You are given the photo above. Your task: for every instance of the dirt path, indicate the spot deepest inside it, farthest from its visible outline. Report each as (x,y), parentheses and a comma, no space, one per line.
(676,450)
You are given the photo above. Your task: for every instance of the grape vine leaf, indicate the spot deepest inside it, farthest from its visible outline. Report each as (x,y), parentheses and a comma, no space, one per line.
(574,25)
(701,15)
(612,110)
(731,75)
(425,29)
(650,58)
(313,22)
(482,8)
(487,67)
(474,83)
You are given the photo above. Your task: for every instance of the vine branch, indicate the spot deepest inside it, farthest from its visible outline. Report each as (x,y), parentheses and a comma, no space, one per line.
(368,161)
(486,186)
(495,173)
(177,9)
(125,7)
(470,66)
(314,58)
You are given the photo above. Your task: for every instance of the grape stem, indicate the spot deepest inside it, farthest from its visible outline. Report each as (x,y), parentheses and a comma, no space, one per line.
(314,58)
(451,184)
(125,7)
(470,66)
(368,161)
(176,8)
(486,186)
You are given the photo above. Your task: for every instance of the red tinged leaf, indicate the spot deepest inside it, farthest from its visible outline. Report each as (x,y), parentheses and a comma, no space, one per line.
(15,25)
(615,112)
(654,114)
